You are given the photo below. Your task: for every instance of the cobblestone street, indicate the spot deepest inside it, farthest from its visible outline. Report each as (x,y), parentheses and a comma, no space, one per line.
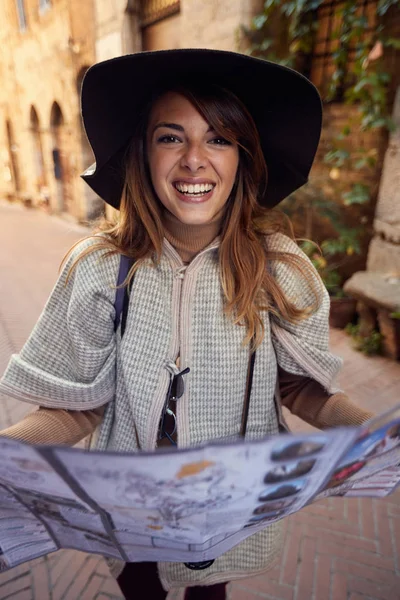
(343,549)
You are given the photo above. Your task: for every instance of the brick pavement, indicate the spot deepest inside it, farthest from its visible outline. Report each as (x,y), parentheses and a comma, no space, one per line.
(339,549)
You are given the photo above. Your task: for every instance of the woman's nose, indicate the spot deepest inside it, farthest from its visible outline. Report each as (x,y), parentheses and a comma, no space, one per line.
(194,157)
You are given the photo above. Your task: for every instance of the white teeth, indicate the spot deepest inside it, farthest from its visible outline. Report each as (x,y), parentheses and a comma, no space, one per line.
(197,188)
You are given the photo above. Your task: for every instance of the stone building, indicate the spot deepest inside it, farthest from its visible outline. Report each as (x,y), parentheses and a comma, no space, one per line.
(46,46)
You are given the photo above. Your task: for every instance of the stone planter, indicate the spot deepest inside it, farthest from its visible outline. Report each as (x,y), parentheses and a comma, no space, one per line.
(342,312)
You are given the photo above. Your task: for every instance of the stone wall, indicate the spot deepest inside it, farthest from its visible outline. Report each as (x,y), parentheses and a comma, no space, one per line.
(111,39)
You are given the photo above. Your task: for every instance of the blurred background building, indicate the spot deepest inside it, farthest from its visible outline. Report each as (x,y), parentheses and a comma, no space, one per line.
(46,46)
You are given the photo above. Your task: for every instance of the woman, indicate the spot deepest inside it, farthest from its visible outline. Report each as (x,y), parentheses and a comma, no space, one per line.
(227,319)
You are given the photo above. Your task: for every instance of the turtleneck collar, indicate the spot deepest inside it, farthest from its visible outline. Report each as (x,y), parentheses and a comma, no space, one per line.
(189,240)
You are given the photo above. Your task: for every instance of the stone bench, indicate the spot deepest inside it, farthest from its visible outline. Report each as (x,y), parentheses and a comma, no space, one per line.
(378,297)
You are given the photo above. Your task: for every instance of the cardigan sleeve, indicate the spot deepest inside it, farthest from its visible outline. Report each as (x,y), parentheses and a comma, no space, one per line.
(302,348)
(68,362)
(309,401)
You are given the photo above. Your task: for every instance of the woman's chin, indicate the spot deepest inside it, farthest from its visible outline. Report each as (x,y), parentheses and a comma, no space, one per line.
(195,219)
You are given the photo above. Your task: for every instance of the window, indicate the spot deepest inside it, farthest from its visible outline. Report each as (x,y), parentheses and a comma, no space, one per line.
(44,5)
(152,11)
(21,15)
(329,19)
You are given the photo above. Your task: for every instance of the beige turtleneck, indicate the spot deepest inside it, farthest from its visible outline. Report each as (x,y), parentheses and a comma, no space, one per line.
(189,240)
(303,396)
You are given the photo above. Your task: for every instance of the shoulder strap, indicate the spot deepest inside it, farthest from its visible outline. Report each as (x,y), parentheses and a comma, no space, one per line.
(122,295)
(249,383)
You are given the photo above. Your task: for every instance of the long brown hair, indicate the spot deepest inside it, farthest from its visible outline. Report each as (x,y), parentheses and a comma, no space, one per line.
(245,260)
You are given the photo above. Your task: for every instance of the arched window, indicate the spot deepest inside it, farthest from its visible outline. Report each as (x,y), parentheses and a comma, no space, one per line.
(21,15)
(60,159)
(56,122)
(13,154)
(37,148)
(56,116)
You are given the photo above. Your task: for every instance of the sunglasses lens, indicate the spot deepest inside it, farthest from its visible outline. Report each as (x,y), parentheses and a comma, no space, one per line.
(180,386)
(168,419)
(170,422)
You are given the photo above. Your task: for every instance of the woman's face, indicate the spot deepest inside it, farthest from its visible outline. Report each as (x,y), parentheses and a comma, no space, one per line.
(192,168)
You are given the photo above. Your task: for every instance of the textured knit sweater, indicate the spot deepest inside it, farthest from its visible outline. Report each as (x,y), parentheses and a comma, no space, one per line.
(303,396)
(74,361)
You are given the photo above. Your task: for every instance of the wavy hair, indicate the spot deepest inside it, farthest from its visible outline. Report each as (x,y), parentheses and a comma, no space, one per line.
(248,282)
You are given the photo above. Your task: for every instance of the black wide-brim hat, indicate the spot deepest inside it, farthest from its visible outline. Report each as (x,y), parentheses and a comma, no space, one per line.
(285,106)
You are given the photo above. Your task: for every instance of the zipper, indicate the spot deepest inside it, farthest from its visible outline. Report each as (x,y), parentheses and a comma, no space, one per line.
(162,389)
(183,282)
(182,417)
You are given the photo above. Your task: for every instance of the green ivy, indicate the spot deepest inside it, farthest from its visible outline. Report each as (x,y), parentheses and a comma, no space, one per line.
(337,157)
(370,344)
(384,5)
(284,31)
(359,194)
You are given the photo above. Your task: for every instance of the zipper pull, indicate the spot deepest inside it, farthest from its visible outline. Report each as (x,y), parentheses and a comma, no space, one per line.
(180,273)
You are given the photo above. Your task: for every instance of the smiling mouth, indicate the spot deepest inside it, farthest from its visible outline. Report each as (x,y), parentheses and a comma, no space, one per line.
(196,190)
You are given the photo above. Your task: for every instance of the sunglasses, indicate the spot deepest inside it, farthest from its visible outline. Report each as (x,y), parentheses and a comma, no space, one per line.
(175,391)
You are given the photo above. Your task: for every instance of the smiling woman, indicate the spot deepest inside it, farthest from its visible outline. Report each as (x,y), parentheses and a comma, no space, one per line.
(194,171)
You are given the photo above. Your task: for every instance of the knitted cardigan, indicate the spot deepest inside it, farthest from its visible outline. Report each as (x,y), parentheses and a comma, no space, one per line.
(74,360)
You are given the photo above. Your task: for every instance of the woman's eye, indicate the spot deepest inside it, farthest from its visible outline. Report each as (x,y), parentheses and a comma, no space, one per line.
(220,141)
(168,139)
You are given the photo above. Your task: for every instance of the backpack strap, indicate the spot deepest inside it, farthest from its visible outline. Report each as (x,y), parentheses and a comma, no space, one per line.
(121,303)
(249,383)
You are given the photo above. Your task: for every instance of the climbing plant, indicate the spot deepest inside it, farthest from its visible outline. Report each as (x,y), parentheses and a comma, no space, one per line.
(286,31)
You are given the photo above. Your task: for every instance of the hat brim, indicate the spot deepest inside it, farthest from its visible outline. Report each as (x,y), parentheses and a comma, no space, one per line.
(285,106)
